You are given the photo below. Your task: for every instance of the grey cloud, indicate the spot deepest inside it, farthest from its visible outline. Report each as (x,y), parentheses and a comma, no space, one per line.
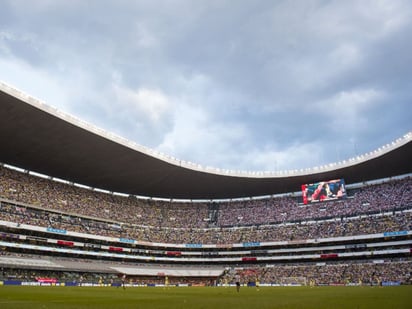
(265,67)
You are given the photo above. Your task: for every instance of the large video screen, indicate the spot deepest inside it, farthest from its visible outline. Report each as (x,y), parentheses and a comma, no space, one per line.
(323,191)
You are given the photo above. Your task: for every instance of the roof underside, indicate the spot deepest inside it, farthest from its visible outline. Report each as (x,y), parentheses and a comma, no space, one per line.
(39,141)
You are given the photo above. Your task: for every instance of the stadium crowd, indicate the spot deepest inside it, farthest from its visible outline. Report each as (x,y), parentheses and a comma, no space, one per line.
(361,272)
(369,209)
(62,206)
(350,272)
(70,199)
(366,224)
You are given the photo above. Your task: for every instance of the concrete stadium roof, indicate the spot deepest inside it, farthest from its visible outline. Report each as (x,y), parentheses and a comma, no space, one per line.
(40,138)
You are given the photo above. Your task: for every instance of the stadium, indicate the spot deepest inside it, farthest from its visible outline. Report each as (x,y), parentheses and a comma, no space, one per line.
(83,207)
(80,206)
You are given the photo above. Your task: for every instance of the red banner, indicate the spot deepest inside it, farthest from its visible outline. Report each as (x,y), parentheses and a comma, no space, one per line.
(65,243)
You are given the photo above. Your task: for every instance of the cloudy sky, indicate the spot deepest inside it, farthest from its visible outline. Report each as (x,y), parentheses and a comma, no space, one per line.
(242,85)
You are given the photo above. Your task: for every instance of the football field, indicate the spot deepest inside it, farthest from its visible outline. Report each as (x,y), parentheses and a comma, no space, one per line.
(205,297)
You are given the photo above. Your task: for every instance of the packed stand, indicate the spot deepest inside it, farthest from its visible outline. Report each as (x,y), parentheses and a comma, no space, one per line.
(62,206)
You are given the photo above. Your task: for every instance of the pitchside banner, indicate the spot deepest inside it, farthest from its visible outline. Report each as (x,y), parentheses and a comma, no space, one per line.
(323,191)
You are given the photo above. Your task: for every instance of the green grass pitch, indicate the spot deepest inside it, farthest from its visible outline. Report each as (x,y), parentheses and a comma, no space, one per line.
(205,297)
